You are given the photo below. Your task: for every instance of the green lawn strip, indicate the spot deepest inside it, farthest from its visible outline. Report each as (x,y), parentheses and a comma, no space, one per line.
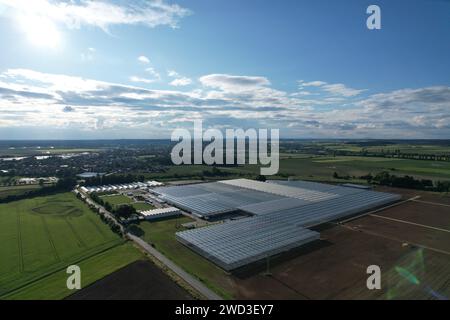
(53,286)
(142,206)
(116,200)
(162,235)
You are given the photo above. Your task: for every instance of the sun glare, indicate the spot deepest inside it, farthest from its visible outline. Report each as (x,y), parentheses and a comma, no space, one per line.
(40,31)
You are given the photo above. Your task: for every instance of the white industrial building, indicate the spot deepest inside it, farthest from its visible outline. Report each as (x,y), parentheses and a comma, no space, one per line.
(281,214)
(160,213)
(119,187)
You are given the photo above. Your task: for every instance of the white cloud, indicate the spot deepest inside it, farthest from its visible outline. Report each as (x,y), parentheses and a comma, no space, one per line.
(172,74)
(143,59)
(139,79)
(46,101)
(153,72)
(341,89)
(338,89)
(180,82)
(89,54)
(102,13)
(312,83)
(228,82)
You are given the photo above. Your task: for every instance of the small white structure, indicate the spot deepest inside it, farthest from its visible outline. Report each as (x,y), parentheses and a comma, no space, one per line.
(160,213)
(154,183)
(130,186)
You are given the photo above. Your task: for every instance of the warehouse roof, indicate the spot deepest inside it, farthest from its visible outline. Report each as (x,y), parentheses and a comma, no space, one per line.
(280,218)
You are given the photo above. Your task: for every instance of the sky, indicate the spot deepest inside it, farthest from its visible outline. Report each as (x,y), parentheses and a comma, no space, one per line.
(102,69)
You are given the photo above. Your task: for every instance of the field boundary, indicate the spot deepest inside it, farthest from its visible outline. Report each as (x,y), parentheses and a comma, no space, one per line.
(19,242)
(50,239)
(98,228)
(376,234)
(77,236)
(378,210)
(432,203)
(409,222)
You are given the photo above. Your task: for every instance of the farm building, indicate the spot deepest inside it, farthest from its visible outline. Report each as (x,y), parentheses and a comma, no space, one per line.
(160,213)
(280,214)
(131,186)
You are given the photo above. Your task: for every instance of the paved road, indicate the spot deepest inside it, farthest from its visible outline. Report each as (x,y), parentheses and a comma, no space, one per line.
(197,285)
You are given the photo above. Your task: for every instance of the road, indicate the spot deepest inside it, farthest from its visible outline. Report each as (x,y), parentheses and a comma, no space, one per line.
(102,210)
(193,282)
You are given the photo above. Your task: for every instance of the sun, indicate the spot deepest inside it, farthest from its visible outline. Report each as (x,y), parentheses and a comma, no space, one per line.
(40,31)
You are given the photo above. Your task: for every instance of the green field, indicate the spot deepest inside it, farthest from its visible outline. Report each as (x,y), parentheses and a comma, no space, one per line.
(40,237)
(162,235)
(322,168)
(392,148)
(116,200)
(142,206)
(92,269)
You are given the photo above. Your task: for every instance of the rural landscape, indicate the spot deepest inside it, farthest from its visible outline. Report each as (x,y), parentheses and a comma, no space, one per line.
(46,226)
(224,158)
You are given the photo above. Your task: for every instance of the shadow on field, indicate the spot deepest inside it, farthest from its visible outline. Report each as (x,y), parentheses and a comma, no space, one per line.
(262,265)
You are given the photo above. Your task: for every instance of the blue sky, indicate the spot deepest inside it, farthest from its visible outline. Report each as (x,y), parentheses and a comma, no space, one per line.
(139,69)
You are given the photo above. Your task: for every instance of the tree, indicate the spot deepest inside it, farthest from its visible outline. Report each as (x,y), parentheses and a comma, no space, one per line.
(125,211)
(135,230)
(261,178)
(108,206)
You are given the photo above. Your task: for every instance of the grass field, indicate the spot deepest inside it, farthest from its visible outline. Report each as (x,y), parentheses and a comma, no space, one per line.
(403,148)
(92,269)
(322,168)
(116,200)
(142,206)
(42,236)
(162,235)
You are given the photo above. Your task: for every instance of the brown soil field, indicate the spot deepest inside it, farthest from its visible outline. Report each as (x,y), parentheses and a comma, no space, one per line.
(413,252)
(140,280)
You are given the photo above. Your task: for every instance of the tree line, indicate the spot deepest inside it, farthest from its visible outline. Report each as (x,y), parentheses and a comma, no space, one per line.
(124,211)
(384,178)
(63,185)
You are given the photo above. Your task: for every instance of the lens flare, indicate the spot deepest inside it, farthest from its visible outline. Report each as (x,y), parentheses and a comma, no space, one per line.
(40,31)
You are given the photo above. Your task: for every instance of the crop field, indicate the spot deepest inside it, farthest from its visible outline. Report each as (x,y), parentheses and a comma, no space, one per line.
(92,269)
(162,235)
(322,168)
(40,237)
(403,148)
(116,200)
(141,280)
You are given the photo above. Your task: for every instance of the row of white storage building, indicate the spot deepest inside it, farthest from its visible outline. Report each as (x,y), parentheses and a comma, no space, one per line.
(116,187)
(160,213)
